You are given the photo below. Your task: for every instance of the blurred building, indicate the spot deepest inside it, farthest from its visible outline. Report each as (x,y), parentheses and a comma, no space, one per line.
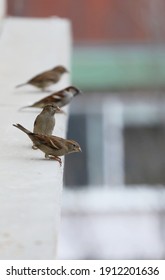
(102,21)
(114,195)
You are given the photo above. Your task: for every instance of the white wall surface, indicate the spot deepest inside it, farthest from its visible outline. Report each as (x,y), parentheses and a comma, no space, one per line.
(119,223)
(2,8)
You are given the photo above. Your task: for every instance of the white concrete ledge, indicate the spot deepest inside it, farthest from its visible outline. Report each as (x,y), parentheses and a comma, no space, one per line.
(30,186)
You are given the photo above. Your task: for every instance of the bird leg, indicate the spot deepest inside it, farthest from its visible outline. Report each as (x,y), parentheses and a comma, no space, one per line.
(34,147)
(57,158)
(54,158)
(46,156)
(44,89)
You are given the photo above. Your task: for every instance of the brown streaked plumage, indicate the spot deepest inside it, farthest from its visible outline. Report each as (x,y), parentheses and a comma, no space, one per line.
(45,121)
(60,98)
(47,78)
(51,145)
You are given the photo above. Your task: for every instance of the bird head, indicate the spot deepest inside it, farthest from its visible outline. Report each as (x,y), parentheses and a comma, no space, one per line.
(60,69)
(51,108)
(73,146)
(74,90)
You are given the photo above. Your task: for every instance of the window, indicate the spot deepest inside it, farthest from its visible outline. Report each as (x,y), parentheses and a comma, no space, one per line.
(123,141)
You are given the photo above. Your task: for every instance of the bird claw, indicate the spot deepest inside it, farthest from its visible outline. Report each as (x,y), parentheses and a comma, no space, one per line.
(45,90)
(54,158)
(58,159)
(34,147)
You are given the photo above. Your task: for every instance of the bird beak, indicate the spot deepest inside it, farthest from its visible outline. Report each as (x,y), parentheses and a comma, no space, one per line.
(80,91)
(79,149)
(58,109)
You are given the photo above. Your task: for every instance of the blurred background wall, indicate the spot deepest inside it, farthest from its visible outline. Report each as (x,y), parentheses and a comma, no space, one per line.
(102,21)
(134,31)
(114,191)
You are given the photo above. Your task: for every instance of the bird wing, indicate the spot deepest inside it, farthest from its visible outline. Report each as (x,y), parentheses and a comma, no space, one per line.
(56,98)
(45,76)
(44,101)
(52,142)
(60,94)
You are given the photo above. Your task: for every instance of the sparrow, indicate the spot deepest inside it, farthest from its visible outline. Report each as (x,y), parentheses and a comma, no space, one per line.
(51,145)
(47,78)
(45,121)
(59,98)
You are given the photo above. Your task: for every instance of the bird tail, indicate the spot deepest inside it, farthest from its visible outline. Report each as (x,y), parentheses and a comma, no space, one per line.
(24,107)
(21,85)
(19,126)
